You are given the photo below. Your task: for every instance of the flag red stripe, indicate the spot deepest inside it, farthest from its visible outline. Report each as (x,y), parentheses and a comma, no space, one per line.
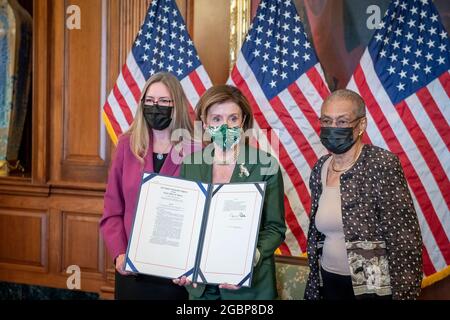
(412,177)
(305,107)
(444,79)
(366,139)
(285,249)
(288,166)
(293,225)
(428,267)
(434,114)
(297,135)
(300,187)
(123,104)
(191,112)
(112,119)
(317,82)
(425,149)
(197,82)
(285,160)
(132,85)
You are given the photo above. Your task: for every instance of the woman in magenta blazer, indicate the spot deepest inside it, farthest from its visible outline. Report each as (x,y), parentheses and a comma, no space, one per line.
(149,145)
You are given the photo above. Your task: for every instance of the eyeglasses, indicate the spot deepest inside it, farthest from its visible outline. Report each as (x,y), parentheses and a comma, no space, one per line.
(340,123)
(161,101)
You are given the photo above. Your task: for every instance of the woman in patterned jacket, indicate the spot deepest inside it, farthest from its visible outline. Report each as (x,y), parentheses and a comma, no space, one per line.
(364,238)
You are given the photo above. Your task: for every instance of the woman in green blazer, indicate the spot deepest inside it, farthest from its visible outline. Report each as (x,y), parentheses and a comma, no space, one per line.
(225,115)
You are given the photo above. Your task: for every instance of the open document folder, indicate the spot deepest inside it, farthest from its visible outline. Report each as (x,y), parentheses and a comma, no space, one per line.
(207,232)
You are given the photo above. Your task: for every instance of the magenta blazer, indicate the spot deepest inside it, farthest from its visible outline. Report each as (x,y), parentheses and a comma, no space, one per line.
(122,190)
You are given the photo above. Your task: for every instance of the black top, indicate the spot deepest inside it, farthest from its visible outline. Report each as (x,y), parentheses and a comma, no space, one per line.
(157,163)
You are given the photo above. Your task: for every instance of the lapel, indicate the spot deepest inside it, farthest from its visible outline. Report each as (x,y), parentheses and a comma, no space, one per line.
(242,164)
(148,160)
(169,167)
(206,167)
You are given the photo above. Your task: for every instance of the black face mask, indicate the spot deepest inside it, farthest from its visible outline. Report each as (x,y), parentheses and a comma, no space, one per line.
(157,117)
(337,140)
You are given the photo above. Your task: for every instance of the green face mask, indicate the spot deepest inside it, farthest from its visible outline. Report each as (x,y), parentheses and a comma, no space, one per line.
(225,137)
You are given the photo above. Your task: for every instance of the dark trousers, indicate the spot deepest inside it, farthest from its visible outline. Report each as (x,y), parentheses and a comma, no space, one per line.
(339,287)
(143,287)
(336,286)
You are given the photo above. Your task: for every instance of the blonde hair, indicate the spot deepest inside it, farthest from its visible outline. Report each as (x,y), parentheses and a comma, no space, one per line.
(139,130)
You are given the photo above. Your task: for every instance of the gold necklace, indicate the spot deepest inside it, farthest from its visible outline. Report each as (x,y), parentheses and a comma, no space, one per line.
(345,169)
(349,166)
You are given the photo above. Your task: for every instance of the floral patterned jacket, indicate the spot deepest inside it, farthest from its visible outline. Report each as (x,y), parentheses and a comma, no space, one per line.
(382,234)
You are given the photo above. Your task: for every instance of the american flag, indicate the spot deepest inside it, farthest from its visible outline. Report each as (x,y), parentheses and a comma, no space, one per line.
(404,79)
(278,71)
(162,44)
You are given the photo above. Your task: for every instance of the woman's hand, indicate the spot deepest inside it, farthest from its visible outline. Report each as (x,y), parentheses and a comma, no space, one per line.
(120,265)
(228,286)
(184,281)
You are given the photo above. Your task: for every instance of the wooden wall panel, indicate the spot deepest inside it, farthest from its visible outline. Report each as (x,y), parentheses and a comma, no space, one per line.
(40,87)
(81,132)
(186,8)
(213,50)
(132,13)
(81,242)
(82,85)
(23,238)
(56,87)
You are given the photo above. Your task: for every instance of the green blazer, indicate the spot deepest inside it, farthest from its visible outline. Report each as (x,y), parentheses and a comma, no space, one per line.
(260,166)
